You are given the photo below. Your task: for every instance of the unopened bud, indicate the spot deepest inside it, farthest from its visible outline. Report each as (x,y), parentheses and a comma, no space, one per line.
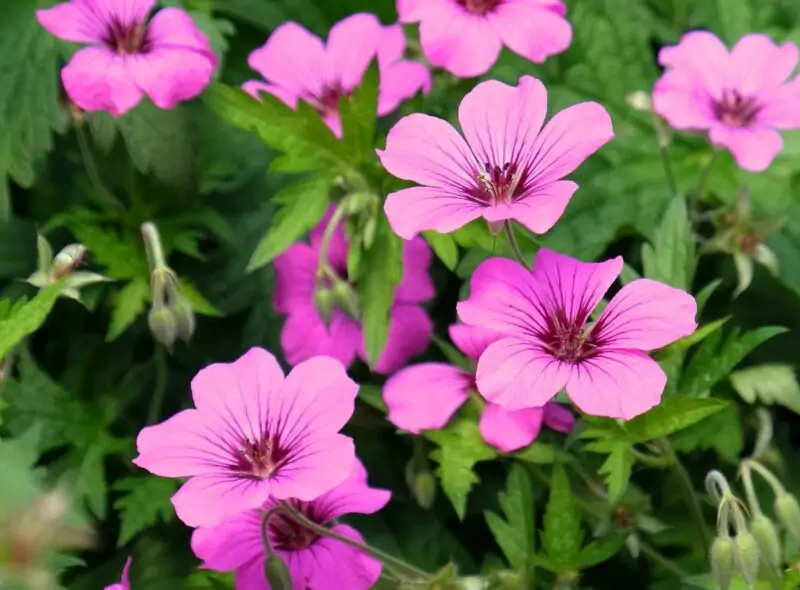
(344,297)
(747,556)
(370,227)
(277,573)
(767,538)
(68,259)
(163,325)
(359,201)
(184,319)
(640,100)
(788,511)
(421,483)
(323,301)
(722,563)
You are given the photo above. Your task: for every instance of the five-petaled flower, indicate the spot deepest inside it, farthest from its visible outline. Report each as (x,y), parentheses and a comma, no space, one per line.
(125,583)
(297,66)
(314,562)
(741,97)
(465,36)
(301,277)
(550,343)
(425,397)
(168,57)
(509,167)
(254,434)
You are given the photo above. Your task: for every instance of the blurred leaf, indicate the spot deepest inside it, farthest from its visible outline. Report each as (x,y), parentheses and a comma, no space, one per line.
(196,300)
(129,304)
(27,318)
(17,247)
(696,337)
(121,256)
(670,416)
(445,247)
(600,551)
(303,206)
(268,14)
(722,432)
(372,396)
(146,502)
(562,535)
(539,452)
(735,18)
(768,384)
(515,535)
(461,446)
(616,470)
(670,258)
(359,118)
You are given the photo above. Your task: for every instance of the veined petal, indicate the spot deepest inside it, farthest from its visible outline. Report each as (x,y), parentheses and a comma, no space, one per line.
(171,75)
(401,81)
(213,544)
(538,209)
(391,46)
(353,496)
(472,340)
(510,430)
(352,45)
(73,21)
(331,565)
(410,332)
(295,278)
(759,65)
(125,12)
(703,57)
(173,28)
(209,499)
(420,208)
(682,103)
(316,465)
(98,80)
(754,149)
(531,30)
(304,335)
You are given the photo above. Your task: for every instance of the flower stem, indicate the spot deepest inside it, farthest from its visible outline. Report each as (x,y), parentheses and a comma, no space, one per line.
(399,568)
(703,178)
(664,562)
(749,490)
(512,242)
(5,200)
(152,244)
(107,198)
(766,474)
(333,223)
(160,388)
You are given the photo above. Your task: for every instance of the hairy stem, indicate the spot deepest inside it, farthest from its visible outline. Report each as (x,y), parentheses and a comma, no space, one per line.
(152,245)
(663,561)
(335,220)
(106,196)
(160,360)
(512,242)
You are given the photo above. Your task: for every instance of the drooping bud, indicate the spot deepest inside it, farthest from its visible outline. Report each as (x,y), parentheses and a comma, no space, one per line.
(421,482)
(277,573)
(344,297)
(163,325)
(370,227)
(323,301)
(788,511)
(766,535)
(184,319)
(747,555)
(722,562)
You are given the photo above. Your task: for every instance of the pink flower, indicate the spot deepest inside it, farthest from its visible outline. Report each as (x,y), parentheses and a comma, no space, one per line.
(305,334)
(740,97)
(297,66)
(254,435)
(314,562)
(465,36)
(167,58)
(549,342)
(125,584)
(425,397)
(508,168)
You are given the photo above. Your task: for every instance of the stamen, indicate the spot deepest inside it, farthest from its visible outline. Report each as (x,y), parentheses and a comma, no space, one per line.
(127,39)
(499,186)
(480,7)
(736,110)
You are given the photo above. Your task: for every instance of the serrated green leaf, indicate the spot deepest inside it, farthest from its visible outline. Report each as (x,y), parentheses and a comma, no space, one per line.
(616,470)
(461,446)
(444,246)
(562,536)
(129,304)
(145,503)
(600,550)
(27,318)
(670,258)
(360,116)
(515,535)
(539,452)
(304,205)
(196,300)
(121,256)
(722,432)
(670,416)
(769,384)
(381,272)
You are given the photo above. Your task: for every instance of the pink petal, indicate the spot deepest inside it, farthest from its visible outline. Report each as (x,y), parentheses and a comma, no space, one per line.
(410,332)
(170,76)
(251,576)
(391,46)
(515,374)
(292,59)
(570,137)
(646,315)
(332,565)
(98,80)
(617,384)
(352,45)
(510,431)
(558,418)
(429,151)
(125,12)
(304,335)
(215,545)
(537,210)
(759,65)
(501,122)
(255,88)
(682,103)
(207,500)
(72,21)
(531,30)
(417,285)
(704,59)
(295,278)
(779,110)
(316,465)
(472,340)
(407,9)
(424,397)
(752,148)
(353,496)
(173,28)
(401,81)
(420,208)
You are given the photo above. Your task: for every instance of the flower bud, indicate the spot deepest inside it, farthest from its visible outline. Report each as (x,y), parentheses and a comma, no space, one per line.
(277,573)
(721,557)
(767,538)
(747,556)
(323,301)
(370,227)
(163,325)
(421,483)
(66,260)
(640,101)
(788,511)
(184,319)
(344,297)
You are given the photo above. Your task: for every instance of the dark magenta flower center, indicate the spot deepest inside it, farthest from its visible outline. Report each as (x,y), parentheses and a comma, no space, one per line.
(327,102)
(260,459)
(500,185)
(127,38)
(479,6)
(570,341)
(736,110)
(287,535)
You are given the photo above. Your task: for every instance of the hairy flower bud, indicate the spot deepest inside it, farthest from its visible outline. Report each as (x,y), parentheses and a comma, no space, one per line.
(766,535)
(184,319)
(747,555)
(163,325)
(277,573)
(323,301)
(67,260)
(788,511)
(722,563)
(344,297)
(421,483)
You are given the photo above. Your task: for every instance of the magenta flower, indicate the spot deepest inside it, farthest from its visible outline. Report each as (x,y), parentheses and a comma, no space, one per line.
(254,435)
(465,36)
(425,397)
(314,562)
(125,583)
(549,342)
(167,58)
(740,97)
(509,167)
(297,66)
(305,334)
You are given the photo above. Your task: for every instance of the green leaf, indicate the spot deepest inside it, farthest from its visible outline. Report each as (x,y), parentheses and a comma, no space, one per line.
(562,536)
(539,452)
(196,299)
(121,256)
(129,304)
(735,19)
(600,551)
(670,416)
(769,384)
(515,535)
(670,258)
(715,359)
(372,396)
(360,116)
(696,337)
(146,502)
(722,432)
(616,470)
(17,247)
(381,272)
(461,446)
(27,318)
(445,247)
(304,205)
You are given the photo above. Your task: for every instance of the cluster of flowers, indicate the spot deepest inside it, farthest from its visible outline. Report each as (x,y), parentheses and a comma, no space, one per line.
(260,446)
